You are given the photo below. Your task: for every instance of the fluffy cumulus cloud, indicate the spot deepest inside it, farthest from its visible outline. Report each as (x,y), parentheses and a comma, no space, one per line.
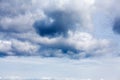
(16,47)
(54,28)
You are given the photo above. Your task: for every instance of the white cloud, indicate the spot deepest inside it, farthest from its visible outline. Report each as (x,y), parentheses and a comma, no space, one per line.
(24,47)
(5,46)
(87,42)
(14,47)
(20,23)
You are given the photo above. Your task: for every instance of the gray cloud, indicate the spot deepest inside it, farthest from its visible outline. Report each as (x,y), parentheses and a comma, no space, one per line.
(116,26)
(57,23)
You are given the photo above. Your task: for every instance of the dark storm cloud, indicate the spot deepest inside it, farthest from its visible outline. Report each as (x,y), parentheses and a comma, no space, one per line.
(116,26)
(57,23)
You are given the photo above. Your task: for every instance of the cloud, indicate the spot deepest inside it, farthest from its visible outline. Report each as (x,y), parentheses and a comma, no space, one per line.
(24,48)
(5,46)
(11,8)
(111,10)
(53,29)
(116,26)
(76,45)
(20,23)
(16,47)
(16,16)
(57,23)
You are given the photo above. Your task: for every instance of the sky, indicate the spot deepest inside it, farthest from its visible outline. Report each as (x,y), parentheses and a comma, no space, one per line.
(57,31)
(13,68)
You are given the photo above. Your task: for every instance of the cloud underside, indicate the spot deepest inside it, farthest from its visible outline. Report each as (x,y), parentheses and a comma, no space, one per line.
(76,45)
(58,23)
(52,29)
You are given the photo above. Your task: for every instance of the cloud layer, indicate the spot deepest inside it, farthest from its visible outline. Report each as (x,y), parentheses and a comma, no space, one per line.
(55,28)
(13,68)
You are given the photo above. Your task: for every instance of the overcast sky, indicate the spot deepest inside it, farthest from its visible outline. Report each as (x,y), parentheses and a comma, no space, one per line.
(60,29)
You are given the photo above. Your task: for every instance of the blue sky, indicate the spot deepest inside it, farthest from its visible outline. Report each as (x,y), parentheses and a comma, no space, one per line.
(41,30)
